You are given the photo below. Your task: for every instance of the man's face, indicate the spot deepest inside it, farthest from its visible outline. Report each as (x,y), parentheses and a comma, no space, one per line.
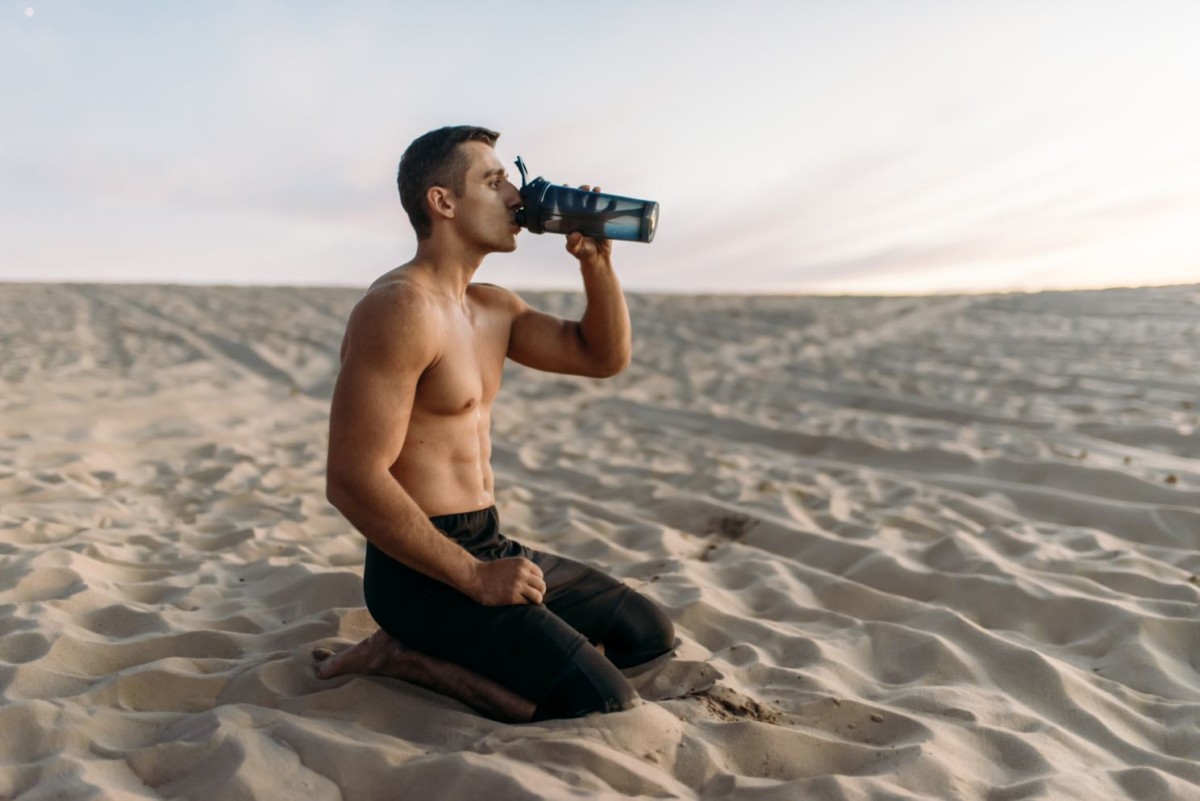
(487,207)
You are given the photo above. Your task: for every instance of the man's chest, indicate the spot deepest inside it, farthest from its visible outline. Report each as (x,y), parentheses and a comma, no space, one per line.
(468,372)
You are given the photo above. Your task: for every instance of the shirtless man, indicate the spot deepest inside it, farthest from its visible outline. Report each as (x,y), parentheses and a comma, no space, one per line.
(515,633)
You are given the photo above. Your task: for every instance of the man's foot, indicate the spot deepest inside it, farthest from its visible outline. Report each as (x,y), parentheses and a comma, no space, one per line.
(377,655)
(382,655)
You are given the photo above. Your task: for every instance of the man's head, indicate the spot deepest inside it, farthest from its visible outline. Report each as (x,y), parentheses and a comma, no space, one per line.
(436,159)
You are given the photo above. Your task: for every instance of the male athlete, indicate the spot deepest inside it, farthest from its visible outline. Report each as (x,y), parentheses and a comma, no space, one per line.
(515,633)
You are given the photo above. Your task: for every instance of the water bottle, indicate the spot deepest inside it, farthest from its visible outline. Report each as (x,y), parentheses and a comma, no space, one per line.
(564,210)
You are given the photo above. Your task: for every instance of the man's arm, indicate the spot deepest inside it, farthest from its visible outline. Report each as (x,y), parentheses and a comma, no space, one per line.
(600,343)
(391,339)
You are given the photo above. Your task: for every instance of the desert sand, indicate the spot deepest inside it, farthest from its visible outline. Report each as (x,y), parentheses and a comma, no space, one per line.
(914,548)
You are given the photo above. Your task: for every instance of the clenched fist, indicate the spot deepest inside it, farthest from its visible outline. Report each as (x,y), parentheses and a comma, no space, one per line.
(505,582)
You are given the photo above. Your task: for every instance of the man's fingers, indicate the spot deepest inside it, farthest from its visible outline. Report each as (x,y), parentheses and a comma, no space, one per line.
(531,566)
(527,581)
(532,595)
(536,585)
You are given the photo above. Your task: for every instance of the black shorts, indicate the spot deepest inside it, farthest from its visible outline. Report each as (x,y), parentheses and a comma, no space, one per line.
(531,649)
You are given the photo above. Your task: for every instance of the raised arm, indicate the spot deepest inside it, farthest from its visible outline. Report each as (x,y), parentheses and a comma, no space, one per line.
(599,344)
(391,338)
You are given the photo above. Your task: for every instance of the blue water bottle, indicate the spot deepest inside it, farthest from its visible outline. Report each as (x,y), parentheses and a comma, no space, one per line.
(564,210)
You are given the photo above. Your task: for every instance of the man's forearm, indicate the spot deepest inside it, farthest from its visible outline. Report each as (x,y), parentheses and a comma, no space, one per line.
(393,522)
(604,326)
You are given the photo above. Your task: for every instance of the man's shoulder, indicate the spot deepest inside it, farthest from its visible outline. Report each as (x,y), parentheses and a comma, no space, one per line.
(395,300)
(393,315)
(495,296)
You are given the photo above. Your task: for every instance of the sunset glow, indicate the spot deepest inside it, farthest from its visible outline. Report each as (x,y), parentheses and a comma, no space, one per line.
(850,147)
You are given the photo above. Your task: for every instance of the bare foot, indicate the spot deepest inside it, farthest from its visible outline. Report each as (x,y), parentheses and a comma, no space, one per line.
(382,655)
(377,655)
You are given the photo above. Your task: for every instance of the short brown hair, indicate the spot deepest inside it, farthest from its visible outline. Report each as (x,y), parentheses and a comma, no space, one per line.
(434,159)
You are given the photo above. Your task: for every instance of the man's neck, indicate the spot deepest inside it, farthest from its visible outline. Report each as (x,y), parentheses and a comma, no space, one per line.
(448,264)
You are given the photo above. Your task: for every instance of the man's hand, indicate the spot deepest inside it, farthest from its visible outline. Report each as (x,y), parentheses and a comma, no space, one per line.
(506,582)
(585,248)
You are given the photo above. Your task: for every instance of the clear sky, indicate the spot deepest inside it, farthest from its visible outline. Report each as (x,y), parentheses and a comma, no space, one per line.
(849,146)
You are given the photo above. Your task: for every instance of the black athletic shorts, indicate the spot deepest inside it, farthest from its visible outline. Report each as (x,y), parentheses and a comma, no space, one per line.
(542,652)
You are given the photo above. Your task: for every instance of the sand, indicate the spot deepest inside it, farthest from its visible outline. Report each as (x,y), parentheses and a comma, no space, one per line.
(914,548)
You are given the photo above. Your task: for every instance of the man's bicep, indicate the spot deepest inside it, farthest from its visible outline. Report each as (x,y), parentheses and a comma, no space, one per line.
(387,350)
(369,415)
(545,342)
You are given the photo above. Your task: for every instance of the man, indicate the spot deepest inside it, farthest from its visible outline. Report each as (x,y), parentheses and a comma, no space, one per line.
(514,633)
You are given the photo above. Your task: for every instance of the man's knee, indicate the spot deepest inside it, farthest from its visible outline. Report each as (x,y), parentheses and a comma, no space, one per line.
(588,684)
(640,633)
(661,636)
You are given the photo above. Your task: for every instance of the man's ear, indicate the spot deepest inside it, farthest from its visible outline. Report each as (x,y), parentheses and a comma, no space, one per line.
(441,202)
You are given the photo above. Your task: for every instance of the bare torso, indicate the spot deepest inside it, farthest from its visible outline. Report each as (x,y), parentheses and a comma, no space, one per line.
(444,464)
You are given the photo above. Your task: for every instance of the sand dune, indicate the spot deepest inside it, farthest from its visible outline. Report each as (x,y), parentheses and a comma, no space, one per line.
(913,547)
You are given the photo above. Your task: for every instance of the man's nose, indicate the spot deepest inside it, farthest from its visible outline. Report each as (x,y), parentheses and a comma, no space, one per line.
(514,195)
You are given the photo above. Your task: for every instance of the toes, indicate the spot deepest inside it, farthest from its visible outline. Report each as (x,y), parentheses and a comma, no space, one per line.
(321,653)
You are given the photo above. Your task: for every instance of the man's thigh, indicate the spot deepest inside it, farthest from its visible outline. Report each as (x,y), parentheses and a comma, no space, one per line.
(632,628)
(585,598)
(525,647)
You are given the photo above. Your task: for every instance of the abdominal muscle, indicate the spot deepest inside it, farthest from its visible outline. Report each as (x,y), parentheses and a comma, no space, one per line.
(445,463)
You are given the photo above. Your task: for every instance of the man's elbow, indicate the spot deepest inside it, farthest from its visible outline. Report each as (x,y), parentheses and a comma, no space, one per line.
(602,360)
(613,365)
(335,491)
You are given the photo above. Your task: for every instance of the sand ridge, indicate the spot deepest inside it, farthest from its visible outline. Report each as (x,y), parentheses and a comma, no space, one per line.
(937,547)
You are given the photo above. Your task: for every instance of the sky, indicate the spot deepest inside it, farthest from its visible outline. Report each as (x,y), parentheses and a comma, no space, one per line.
(859,146)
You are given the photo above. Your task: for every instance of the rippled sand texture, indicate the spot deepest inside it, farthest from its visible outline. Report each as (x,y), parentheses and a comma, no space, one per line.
(914,548)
